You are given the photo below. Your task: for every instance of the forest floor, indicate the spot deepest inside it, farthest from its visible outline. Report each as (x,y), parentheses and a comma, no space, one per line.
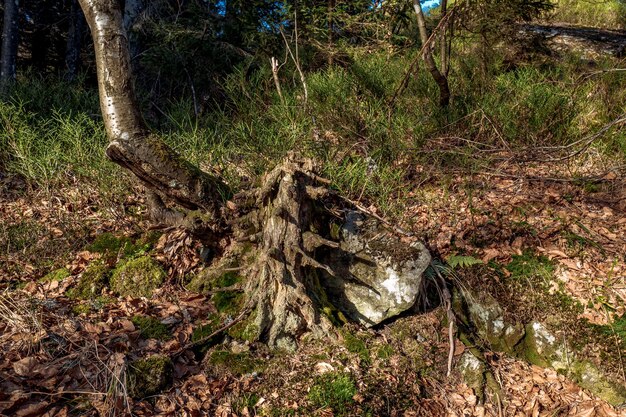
(69,355)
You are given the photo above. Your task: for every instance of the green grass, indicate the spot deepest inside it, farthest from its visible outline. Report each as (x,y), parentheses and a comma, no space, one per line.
(368,153)
(333,390)
(599,13)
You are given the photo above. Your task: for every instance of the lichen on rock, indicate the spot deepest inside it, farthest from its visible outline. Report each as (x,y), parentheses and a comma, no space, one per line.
(379,276)
(473,371)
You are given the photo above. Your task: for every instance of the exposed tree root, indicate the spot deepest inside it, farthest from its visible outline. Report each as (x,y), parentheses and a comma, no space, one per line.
(280,285)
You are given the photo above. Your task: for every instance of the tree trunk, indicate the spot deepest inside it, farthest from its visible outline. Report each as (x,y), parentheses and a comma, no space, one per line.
(10,33)
(440,79)
(132,10)
(74,41)
(131,144)
(444,46)
(331,34)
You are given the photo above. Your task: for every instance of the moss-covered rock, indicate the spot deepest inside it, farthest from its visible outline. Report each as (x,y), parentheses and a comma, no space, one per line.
(137,277)
(484,314)
(91,282)
(590,377)
(473,371)
(542,348)
(149,376)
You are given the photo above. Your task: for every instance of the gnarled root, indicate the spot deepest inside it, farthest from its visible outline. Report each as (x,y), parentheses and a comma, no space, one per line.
(280,285)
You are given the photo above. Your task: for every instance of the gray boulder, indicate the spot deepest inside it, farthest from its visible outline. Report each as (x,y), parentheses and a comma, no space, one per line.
(376,275)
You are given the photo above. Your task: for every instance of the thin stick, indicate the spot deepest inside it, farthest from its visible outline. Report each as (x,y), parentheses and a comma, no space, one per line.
(274,65)
(447,300)
(296,61)
(225,327)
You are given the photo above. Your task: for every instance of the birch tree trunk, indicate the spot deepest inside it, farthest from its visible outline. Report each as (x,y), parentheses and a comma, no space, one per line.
(131,144)
(10,34)
(431,65)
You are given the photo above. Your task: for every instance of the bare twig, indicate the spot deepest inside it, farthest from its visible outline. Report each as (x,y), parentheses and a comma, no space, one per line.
(225,327)
(274,65)
(584,142)
(296,60)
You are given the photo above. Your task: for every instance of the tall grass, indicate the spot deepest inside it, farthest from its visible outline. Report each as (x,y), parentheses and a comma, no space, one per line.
(610,14)
(51,132)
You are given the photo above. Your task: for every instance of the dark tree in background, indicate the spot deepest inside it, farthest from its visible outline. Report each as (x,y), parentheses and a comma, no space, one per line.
(10,33)
(75,41)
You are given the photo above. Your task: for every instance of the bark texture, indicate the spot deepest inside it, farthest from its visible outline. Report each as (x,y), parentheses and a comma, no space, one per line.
(131,144)
(429,60)
(10,33)
(281,283)
(74,41)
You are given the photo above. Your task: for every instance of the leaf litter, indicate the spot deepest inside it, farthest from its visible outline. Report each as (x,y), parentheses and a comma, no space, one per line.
(56,361)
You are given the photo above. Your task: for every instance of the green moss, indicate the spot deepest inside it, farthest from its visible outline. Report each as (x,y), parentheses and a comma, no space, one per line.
(356,345)
(109,244)
(529,265)
(226,280)
(137,277)
(227,301)
(100,302)
(92,281)
(236,363)
(151,328)
(245,330)
(149,376)
(201,332)
(385,352)
(334,390)
(56,275)
(79,309)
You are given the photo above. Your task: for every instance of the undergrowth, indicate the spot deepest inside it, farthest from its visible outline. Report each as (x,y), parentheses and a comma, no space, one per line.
(366,150)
